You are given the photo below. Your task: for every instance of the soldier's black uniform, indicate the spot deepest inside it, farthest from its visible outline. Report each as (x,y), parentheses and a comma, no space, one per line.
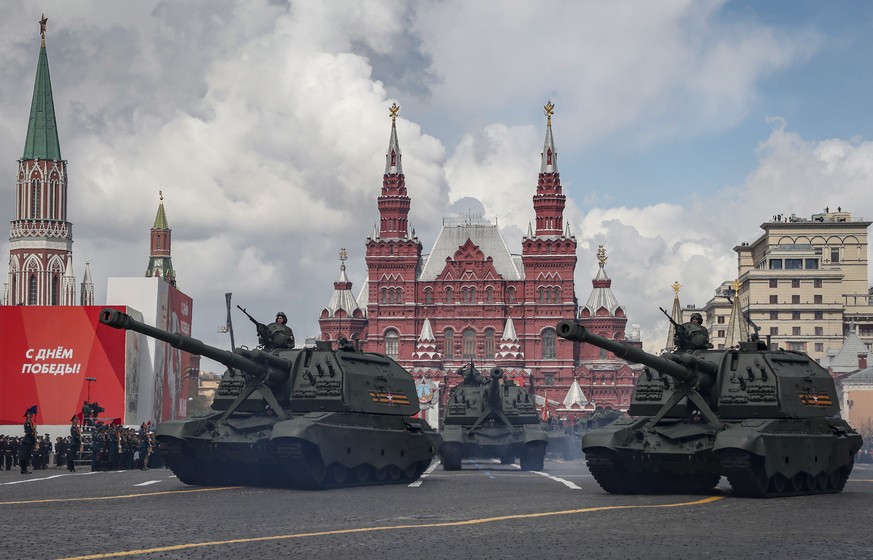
(27,442)
(75,446)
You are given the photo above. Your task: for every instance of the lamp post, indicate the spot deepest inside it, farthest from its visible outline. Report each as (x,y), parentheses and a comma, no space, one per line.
(89,380)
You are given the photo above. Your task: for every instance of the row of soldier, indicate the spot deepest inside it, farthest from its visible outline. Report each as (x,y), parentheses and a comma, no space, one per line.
(111,446)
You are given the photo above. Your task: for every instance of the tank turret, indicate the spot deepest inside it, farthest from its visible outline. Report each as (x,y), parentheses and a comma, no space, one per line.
(283,418)
(765,419)
(491,418)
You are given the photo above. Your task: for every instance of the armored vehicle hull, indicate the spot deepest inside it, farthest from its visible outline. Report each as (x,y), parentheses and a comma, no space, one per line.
(314,450)
(767,420)
(307,418)
(491,420)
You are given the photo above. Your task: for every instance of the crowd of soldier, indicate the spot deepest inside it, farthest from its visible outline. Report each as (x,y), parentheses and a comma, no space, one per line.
(107,448)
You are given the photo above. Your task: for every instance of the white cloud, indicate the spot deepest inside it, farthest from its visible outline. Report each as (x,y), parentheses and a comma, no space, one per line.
(266,125)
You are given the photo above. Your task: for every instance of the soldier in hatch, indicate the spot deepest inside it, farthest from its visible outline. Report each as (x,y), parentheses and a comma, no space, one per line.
(692,335)
(277,334)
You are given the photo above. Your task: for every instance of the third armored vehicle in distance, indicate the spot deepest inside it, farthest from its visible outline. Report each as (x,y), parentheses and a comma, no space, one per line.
(307,417)
(765,419)
(487,418)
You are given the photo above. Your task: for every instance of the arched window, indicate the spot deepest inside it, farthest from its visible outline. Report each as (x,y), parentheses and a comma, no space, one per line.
(510,295)
(428,296)
(35,198)
(158,242)
(469,340)
(392,339)
(398,295)
(54,289)
(384,295)
(449,295)
(31,294)
(549,344)
(489,344)
(489,295)
(541,294)
(449,345)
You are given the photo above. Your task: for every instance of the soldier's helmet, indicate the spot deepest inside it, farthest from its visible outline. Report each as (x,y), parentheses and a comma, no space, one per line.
(697,317)
(282,315)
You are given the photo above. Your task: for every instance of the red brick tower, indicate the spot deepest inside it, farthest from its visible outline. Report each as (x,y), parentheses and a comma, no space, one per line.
(549,260)
(41,238)
(606,381)
(392,258)
(160,254)
(342,318)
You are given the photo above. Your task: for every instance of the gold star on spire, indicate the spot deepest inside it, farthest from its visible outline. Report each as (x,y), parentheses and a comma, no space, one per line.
(550,110)
(393,110)
(676,286)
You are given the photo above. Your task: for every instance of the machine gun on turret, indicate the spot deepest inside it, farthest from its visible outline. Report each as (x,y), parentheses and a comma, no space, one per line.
(262,329)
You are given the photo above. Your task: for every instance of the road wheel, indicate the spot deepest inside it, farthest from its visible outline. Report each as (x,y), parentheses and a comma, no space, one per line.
(778,483)
(362,473)
(339,474)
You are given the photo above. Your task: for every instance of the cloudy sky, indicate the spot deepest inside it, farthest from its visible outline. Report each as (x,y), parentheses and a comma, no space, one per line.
(681,126)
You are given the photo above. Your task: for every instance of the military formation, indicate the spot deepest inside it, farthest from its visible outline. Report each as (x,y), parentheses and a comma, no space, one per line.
(684,400)
(103,446)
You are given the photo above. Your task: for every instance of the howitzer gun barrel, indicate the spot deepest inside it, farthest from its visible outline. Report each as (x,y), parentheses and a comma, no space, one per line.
(685,367)
(494,398)
(118,320)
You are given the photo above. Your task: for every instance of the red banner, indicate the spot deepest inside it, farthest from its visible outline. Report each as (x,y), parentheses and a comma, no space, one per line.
(46,354)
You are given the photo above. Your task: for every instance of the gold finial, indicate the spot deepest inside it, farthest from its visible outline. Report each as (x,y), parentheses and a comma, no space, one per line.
(601,255)
(736,286)
(343,254)
(550,110)
(161,196)
(676,286)
(42,23)
(393,110)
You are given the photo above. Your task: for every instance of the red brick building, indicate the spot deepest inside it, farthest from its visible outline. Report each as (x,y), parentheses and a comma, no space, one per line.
(469,298)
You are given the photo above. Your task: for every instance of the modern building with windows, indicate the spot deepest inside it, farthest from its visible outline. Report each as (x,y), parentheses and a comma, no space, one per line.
(804,282)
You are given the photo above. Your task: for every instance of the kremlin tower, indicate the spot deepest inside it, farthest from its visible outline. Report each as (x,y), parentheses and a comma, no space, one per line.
(160,263)
(41,238)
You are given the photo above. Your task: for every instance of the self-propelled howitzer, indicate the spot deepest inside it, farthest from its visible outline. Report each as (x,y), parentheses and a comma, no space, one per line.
(493,418)
(307,417)
(768,420)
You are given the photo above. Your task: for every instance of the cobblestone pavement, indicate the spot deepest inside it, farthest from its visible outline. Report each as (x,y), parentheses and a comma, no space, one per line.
(485,511)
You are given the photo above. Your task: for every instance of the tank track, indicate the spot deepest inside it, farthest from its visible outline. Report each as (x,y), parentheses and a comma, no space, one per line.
(305,469)
(614,477)
(298,466)
(745,473)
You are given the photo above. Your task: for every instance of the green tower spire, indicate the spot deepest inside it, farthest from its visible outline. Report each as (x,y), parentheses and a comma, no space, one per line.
(42,130)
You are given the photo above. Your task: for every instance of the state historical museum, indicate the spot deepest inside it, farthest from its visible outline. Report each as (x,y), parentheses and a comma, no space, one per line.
(470,298)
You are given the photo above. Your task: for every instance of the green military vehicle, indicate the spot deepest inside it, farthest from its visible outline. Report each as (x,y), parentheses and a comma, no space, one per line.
(491,419)
(308,417)
(768,420)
